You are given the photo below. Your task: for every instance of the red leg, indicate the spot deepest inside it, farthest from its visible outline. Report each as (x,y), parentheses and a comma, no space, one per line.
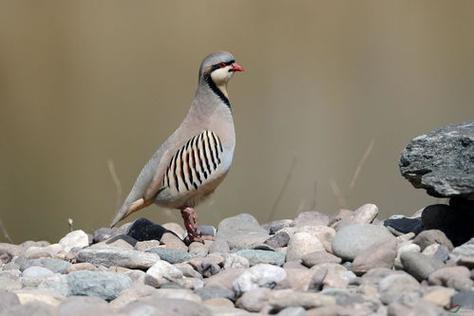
(190,223)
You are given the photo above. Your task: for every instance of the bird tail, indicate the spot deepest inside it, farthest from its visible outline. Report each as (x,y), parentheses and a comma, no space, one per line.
(129,208)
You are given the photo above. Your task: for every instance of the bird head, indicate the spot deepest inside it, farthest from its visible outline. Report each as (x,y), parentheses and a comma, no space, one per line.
(219,67)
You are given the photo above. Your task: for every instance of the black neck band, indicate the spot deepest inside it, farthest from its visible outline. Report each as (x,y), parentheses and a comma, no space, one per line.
(216,90)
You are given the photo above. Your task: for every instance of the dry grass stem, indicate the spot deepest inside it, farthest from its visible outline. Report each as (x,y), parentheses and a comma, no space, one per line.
(116,180)
(5,232)
(360,164)
(283,189)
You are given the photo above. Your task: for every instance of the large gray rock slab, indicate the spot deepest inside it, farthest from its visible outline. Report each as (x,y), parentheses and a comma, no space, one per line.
(241,232)
(442,161)
(111,256)
(351,240)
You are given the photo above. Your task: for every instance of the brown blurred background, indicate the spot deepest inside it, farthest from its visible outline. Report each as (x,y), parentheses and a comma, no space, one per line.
(85,82)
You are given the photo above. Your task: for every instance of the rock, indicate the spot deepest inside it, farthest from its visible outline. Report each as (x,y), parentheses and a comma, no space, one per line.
(106,285)
(171,241)
(177,294)
(43,252)
(188,271)
(84,306)
(278,240)
(74,239)
(108,257)
(440,296)
(10,280)
(235,261)
(55,265)
(277,225)
(32,276)
(241,232)
(404,225)
(225,278)
(351,240)
(420,307)
(7,300)
(176,229)
(171,255)
(335,275)
(464,299)
(292,311)
(464,254)
(165,307)
(11,249)
(441,253)
(365,214)
(457,277)
(121,241)
(254,300)
(198,249)
(323,233)
(102,234)
(405,247)
(26,296)
(441,161)
(303,243)
(455,223)
(262,256)
(260,275)
(419,265)
(209,292)
(281,299)
(147,245)
(379,256)
(207,230)
(431,236)
(81,266)
(35,308)
(163,272)
(311,218)
(219,246)
(209,265)
(319,257)
(303,279)
(143,229)
(393,286)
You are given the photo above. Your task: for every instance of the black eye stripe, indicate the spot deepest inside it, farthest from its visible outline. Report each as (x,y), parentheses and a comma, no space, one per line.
(217,66)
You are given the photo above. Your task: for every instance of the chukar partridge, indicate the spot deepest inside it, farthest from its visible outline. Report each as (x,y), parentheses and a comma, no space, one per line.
(194,160)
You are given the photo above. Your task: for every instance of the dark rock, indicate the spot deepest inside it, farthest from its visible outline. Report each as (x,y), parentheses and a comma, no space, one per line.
(432,236)
(122,237)
(456,224)
(442,161)
(262,256)
(278,240)
(276,226)
(143,229)
(464,299)
(209,292)
(171,255)
(419,265)
(404,225)
(106,285)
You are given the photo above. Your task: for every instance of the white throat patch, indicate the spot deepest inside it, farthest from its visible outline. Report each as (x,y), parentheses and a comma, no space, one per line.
(220,77)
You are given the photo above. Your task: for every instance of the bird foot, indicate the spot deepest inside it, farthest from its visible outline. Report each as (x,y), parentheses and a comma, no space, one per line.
(190,223)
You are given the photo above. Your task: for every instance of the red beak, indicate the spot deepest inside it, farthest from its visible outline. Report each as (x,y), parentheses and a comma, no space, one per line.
(237,68)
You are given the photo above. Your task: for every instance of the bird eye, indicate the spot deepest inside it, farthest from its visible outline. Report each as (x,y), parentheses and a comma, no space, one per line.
(222,65)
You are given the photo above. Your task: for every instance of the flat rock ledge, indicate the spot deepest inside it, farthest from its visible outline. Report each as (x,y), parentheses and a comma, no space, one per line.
(315,264)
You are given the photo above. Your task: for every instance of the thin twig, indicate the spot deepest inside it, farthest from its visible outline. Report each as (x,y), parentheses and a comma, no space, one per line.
(361,163)
(283,188)
(341,200)
(5,232)
(116,180)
